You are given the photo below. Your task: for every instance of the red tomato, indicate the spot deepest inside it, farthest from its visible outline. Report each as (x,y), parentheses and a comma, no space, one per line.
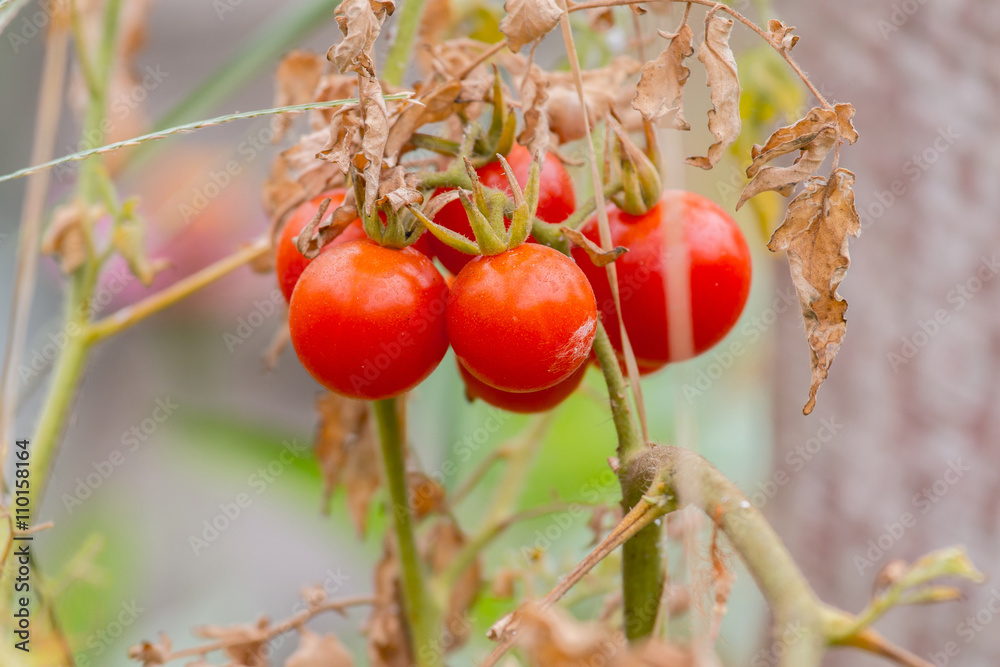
(524,402)
(289,263)
(522,320)
(720,275)
(367,321)
(556,200)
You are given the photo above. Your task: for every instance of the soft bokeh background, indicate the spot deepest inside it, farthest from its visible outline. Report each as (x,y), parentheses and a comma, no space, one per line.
(882,433)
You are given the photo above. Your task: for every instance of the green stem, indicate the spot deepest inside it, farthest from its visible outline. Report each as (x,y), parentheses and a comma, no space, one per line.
(421,615)
(642,570)
(401,51)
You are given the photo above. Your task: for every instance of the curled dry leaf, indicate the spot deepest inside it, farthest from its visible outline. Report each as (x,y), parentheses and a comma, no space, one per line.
(528,20)
(388,643)
(433,103)
(536,134)
(660,93)
(319,651)
(601,19)
(814,136)
(151,653)
(720,65)
(296,81)
(347,453)
(426,496)
(65,236)
(781,35)
(814,235)
(598,256)
(324,228)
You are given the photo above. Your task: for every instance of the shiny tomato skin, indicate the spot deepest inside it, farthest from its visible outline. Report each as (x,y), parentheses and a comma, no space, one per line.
(368,322)
(529,402)
(289,263)
(523,320)
(556,200)
(720,268)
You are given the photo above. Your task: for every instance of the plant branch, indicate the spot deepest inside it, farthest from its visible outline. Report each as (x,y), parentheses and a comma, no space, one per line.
(718,6)
(406,32)
(421,615)
(130,315)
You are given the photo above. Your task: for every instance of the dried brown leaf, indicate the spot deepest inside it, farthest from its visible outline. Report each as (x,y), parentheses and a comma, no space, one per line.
(324,227)
(814,136)
(296,81)
(536,135)
(814,235)
(596,254)
(720,65)
(361,23)
(660,93)
(246,643)
(151,654)
(426,496)
(433,105)
(66,237)
(347,453)
(781,35)
(528,20)
(319,651)
(601,19)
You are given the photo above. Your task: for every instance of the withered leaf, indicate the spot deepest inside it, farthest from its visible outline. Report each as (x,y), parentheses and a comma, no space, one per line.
(296,81)
(151,653)
(528,20)
(814,136)
(374,135)
(781,35)
(430,106)
(323,228)
(245,643)
(347,453)
(596,254)
(319,651)
(534,96)
(361,22)
(426,495)
(65,236)
(814,236)
(720,65)
(601,19)
(660,93)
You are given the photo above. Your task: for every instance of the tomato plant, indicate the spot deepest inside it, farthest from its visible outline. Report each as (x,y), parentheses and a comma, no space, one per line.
(556,200)
(522,320)
(720,272)
(368,321)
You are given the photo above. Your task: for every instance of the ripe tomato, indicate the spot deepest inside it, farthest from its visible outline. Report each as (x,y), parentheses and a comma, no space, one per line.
(556,200)
(720,275)
(289,263)
(525,402)
(522,320)
(367,321)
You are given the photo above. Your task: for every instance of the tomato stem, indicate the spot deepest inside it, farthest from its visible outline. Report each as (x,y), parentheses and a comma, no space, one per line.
(421,614)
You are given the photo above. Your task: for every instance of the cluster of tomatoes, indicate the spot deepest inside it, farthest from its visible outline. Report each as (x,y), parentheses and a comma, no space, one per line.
(372,322)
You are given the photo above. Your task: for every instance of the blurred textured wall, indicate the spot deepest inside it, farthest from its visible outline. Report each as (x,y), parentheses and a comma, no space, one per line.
(912,464)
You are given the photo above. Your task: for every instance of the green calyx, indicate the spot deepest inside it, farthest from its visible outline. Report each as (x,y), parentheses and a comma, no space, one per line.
(486,208)
(635,169)
(389,222)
